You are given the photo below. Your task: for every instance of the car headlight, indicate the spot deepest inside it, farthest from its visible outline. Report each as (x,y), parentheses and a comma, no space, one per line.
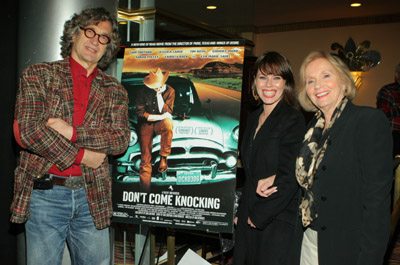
(235,133)
(230,161)
(134,138)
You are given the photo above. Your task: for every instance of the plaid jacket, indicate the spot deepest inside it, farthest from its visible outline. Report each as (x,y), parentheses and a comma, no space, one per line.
(388,100)
(46,91)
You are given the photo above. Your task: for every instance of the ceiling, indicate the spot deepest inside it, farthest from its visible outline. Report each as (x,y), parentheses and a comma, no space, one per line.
(179,19)
(261,13)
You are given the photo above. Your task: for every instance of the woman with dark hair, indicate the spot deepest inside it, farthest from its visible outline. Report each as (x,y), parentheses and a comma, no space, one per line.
(267,210)
(344,169)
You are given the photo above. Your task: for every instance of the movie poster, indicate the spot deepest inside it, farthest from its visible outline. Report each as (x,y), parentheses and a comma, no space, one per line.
(180,167)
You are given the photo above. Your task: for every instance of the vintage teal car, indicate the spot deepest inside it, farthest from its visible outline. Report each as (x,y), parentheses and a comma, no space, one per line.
(204,144)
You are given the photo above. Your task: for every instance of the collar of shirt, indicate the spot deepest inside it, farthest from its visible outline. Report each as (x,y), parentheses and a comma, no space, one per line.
(160,90)
(163,88)
(77,70)
(81,88)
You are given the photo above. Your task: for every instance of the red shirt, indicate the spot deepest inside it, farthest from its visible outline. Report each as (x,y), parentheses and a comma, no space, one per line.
(81,83)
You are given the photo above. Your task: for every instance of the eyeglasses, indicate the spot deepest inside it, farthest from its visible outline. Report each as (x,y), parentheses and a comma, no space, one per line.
(90,33)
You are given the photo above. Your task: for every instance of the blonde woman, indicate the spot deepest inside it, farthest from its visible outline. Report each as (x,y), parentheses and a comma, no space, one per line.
(344,169)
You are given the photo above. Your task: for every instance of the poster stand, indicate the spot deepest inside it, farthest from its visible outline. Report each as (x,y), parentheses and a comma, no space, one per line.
(143,253)
(147,253)
(171,246)
(202,83)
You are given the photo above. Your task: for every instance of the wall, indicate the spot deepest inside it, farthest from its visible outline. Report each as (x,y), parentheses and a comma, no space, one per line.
(384,38)
(8,79)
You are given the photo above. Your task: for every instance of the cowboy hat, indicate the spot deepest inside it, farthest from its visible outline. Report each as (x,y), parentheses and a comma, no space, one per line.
(156,78)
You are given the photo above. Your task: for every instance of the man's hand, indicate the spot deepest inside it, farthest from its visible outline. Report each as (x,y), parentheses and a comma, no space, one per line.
(61,127)
(93,159)
(265,188)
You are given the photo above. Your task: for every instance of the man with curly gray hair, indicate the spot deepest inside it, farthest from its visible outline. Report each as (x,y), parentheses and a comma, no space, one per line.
(82,21)
(69,117)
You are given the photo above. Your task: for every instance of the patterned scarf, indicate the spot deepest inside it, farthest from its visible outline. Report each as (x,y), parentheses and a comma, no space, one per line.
(311,154)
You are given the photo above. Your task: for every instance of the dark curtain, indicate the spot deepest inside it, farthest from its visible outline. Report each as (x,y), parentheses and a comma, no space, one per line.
(8,86)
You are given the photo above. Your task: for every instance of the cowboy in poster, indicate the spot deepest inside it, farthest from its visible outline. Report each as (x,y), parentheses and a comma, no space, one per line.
(154,106)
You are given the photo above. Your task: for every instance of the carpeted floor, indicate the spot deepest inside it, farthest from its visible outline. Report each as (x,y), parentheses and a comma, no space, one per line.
(394,257)
(393,252)
(193,242)
(119,258)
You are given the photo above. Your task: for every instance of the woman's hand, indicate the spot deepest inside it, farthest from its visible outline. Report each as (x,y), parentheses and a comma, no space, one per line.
(250,223)
(265,188)
(235,220)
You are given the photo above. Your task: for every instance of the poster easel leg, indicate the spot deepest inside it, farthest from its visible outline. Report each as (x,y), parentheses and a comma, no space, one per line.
(152,246)
(171,246)
(142,245)
(124,247)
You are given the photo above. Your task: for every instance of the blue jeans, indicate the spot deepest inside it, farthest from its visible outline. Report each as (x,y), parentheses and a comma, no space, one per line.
(59,215)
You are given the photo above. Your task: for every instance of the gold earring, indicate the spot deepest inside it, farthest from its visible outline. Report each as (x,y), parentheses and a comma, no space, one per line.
(255,95)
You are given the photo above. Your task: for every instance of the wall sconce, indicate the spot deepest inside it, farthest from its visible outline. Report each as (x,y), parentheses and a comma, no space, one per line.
(357,77)
(356,58)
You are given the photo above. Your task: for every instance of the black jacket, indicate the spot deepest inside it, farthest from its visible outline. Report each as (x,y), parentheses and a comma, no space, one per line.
(146,102)
(273,151)
(352,190)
